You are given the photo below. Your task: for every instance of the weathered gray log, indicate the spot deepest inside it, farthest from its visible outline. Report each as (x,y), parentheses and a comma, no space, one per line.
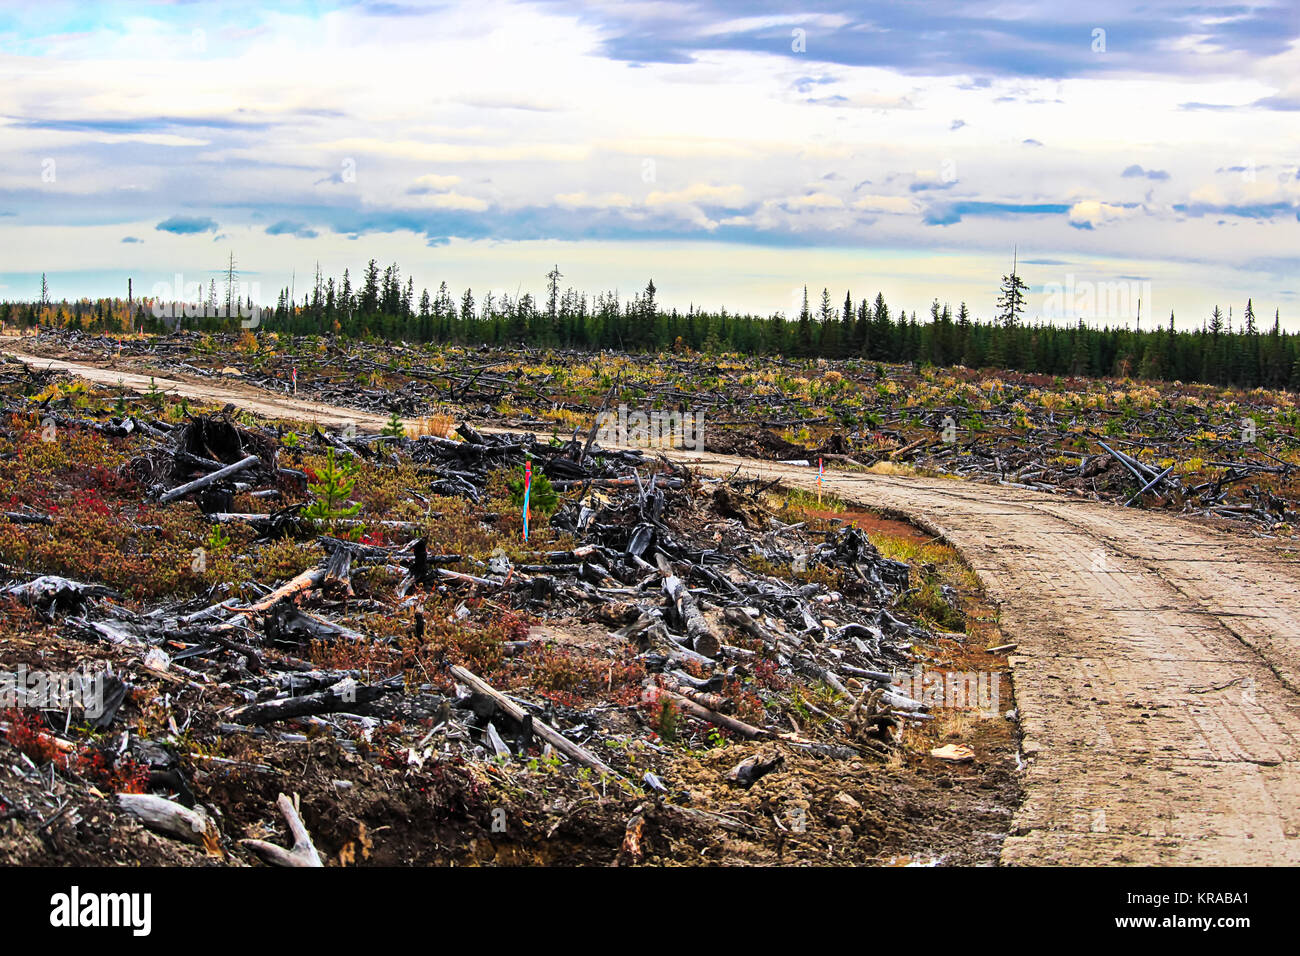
(899,702)
(1149,485)
(168,817)
(346,693)
(740,619)
(548,733)
(684,656)
(703,698)
(249,654)
(20,517)
(693,709)
(199,483)
(50,589)
(469,578)
(810,668)
(288,623)
(338,570)
(227,517)
(701,635)
(880,677)
(302,854)
(595,422)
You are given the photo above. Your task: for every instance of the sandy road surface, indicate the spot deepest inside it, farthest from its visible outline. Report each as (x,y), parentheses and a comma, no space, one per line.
(1157,672)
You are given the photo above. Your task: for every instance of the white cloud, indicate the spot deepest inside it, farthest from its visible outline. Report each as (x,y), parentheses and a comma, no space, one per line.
(581,200)
(452,200)
(699,193)
(824,21)
(503,106)
(434,181)
(1248,187)
(889,204)
(456,153)
(150,139)
(813,201)
(1090,212)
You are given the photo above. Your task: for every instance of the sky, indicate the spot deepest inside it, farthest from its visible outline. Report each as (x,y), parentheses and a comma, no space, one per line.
(733,152)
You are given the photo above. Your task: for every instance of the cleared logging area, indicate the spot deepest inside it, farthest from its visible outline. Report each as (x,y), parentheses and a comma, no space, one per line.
(671,668)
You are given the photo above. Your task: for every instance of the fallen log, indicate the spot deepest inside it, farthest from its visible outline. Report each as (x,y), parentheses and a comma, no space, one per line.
(288,623)
(692,709)
(543,730)
(302,854)
(50,590)
(911,446)
(227,517)
(1149,485)
(249,654)
(810,668)
(705,699)
(467,578)
(311,578)
(20,517)
(736,616)
(200,483)
(168,817)
(701,635)
(346,693)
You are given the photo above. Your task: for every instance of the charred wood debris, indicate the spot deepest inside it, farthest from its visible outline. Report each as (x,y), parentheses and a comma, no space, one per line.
(1074,451)
(661,560)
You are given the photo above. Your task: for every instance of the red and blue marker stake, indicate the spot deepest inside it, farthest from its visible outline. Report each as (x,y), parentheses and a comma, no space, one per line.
(528,485)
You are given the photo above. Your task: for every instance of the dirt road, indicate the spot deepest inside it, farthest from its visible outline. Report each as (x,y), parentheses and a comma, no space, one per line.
(1157,672)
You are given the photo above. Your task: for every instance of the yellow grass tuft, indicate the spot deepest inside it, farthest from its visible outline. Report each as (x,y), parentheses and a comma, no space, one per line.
(440,425)
(891,468)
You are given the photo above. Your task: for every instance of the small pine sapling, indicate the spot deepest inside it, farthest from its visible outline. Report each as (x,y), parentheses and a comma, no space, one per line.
(332,492)
(394,428)
(543,499)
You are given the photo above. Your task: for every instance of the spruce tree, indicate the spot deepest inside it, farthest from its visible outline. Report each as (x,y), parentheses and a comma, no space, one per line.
(805,327)
(847,345)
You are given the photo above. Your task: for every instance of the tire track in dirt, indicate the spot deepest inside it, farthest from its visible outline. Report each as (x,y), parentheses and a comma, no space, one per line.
(1157,666)
(1155,675)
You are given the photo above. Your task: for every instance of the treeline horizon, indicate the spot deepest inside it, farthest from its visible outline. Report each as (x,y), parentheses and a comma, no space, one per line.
(383,307)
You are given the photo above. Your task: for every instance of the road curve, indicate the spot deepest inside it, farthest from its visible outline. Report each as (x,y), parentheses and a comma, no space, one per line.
(1157,672)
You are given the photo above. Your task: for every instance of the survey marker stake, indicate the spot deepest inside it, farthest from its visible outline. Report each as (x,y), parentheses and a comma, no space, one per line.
(528,484)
